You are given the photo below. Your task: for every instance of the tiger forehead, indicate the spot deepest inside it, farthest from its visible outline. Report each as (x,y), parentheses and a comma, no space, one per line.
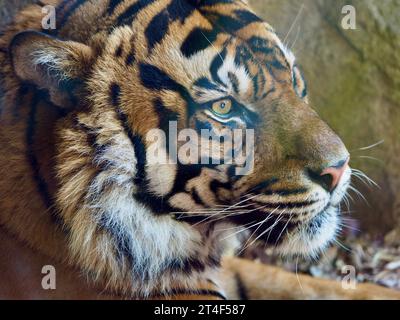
(201,43)
(194,24)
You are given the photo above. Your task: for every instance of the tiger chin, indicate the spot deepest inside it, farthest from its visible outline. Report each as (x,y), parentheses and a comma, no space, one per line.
(77,182)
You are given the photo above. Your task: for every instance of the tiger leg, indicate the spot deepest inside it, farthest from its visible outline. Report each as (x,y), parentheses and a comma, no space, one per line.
(245,279)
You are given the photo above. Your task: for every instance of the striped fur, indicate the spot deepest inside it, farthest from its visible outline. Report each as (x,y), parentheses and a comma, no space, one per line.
(80,101)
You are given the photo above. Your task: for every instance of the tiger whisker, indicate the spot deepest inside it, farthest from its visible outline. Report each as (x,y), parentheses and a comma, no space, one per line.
(297,274)
(295,39)
(358,193)
(349,227)
(264,232)
(348,219)
(245,212)
(294,23)
(347,212)
(343,246)
(279,218)
(200,211)
(371,158)
(360,174)
(350,196)
(361,179)
(236,227)
(212,45)
(283,229)
(240,231)
(371,146)
(265,220)
(226,209)
(346,202)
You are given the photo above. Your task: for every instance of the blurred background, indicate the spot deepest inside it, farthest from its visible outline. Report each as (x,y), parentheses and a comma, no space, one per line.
(354,83)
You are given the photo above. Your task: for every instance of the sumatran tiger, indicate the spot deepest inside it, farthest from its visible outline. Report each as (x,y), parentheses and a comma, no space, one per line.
(78,190)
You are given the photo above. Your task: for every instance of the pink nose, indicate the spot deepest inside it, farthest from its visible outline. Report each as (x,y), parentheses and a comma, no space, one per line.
(335,173)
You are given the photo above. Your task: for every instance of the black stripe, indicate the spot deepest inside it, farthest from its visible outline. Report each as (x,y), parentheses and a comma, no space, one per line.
(285,205)
(136,140)
(234,81)
(30,140)
(34,162)
(258,44)
(158,26)
(140,153)
(155,79)
(215,185)
(263,46)
(205,83)
(122,241)
(130,59)
(209,2)
(118,52)
(115,91)
(165,116)
(260,78)
(196,197)
(92,141)
(284,192)
(226,23)
(112,6)
(184,174)
(263,185)
(241,289)
(127,17)
(69,13)
(179,9)
(303,93)
(216,65)
(22,91)
(157,29)
(61,6)
(155,203)
(265,94)
(247,17)
(198,39)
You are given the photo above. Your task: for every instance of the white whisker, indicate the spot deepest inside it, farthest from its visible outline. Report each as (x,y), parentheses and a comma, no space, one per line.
(372,145)
(265,220)
(297,275)
(371,158)
(294,23)
(358,193)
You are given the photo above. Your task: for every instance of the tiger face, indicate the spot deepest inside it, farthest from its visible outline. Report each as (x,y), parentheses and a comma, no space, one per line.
(204,65)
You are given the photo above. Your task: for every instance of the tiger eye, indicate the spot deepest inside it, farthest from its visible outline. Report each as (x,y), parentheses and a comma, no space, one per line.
(222,107)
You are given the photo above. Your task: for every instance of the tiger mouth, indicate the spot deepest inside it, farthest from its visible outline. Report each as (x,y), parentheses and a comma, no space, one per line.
(272,223)
(272,228)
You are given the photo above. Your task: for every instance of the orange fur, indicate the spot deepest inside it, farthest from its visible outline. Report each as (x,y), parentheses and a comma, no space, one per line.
(78,103)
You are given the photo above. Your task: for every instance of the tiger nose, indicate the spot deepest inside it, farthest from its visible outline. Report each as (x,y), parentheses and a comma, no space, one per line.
(329,178)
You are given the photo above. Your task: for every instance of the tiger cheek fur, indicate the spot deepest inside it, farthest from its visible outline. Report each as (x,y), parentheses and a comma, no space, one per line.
(115,71)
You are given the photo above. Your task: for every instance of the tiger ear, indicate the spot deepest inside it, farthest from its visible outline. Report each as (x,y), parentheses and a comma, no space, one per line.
(57,66)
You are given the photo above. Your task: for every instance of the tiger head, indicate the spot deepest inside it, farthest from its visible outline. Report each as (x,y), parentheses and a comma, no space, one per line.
(204,65)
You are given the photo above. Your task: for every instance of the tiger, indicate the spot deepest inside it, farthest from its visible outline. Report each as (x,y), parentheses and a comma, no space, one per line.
(78,189)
